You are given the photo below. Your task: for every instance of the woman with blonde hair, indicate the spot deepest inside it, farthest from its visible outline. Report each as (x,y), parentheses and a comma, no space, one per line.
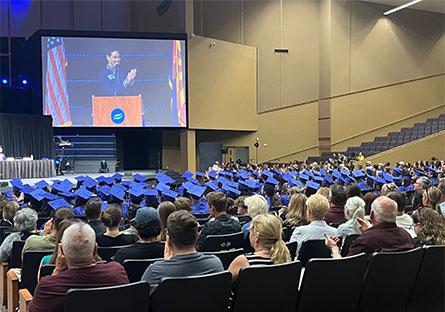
(256,205)
(432,197)
(324,191)
(266,239)
(296,215)
(429,226)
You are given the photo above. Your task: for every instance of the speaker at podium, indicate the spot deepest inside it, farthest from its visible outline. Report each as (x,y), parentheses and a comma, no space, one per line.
(117,111)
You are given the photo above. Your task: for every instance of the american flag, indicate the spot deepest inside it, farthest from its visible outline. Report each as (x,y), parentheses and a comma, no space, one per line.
(57,98)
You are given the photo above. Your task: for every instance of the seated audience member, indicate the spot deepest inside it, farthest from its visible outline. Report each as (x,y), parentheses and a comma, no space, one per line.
(429,226)
(323,191)
(165,209)
(241,210)
(432,197)
(183,203)
(353,190)
(147,228)
(256,205)
(93,210)
(48,240)
(317,208)
(296,214)
(75,268)
(388,188)
(403,220)
(422,183)
(266,239)
(25,222)
(384,235)
(354,209)
(441,187)
(8,213)
(181,257)
(336,213)
(222,224)
(112,219)
(369,199)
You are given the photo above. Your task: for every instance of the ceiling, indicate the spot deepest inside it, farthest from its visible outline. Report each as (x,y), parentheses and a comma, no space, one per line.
(437,6)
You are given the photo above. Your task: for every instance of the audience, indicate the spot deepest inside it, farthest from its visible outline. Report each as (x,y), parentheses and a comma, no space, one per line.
(222,223)
(148,229)
(8,213)
(256,205)
(432,198)
(112,219)
(165,209)
(403,220)
(181,257)
(25,222)
(317,208)
(429,226)
(75,268)
(93,211)
(336,213)
(183,203)
(354,209)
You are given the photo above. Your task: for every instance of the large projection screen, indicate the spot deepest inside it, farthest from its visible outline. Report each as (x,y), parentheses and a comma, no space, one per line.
(114,82)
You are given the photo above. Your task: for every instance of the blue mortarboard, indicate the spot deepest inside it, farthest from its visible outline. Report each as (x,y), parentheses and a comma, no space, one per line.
(349,179)
(397,170)
(67,194)
(8,195)
(119,187)
(83,193)
(152,192)
(294,182)
(308,173)
(284,199)
(188,185)
(379,180)
(109,180)
(59,203)
(104,206)
(358,173)
(49,196)
(316,172)
(212,185)
(388,178)
(26,189)
(127,183)
(197,190)
(328,179)
(409,188)
(118,193)
(169,194)
(432,171)
(193,180)
(222,180)
(402,189)
(100,179)
(138,192)
(42,184)
(212,174)
(139,185)
(187,174)
(253,185)
(117,176)
(105,190)
(322,171)
(304,177)
(226,174)
(286,176)
(244,174)
(420,173)
(312,185)
(162,187)
(80,178)
(318,179)
(89,182)
(17,183)
(344,171)
(230,191)
(363,186)
(38,194)
(232,184)
(163,178)
(434,181)
(336,173)
(199,174)
(341,180)
(139,178)
(397,180)
(61,187)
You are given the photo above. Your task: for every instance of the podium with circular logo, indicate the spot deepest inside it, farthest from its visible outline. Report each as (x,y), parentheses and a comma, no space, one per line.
(117,111)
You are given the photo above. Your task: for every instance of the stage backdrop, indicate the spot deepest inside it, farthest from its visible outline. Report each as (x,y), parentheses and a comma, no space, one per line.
(23,135)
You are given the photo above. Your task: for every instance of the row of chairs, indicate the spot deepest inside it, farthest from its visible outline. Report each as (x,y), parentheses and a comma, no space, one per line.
(408,281)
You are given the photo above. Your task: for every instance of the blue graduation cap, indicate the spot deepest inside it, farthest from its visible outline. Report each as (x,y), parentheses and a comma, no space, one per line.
(193,180)
(199,174)
(308,173)
(312,185)
(212,185)
(9,195)
(118,193)
(328,179)
(344,171)
(152,192)
(304,177)
(284,198)
(388,178)
(232,184)
(267,173)
(294,182)
(84,193)
(104,206)
(253,185)
(139,185)
(60,187)
(139,178)
(363,186)
(227,174)
(187,174)
(379,180)
(138,192)
(49,196)
(231,192)
(163,178)
(169,195)
(109,181)
(243,174)
(162,187)
(17,183)
(197,191)
(322,171)
(397,170)
(212,174)
(397,180)
(100,179)
(42,184)
(318,179)
(117,176)
(222,180)
(59,203)
(358,174)
(432,171)
(119,187)
(67,194)
(89,182)
(188,185)
(316,172)
(37,194)
(420,173)
(104,190)
(80,178)
(336,174)
(402,189)
(26,189)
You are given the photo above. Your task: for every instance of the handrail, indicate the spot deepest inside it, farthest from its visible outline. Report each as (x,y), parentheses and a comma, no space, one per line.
(289,154)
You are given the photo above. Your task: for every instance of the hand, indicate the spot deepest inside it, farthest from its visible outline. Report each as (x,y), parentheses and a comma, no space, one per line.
(167,252)
(48,227)
(331,241)
(131,75)
(60,261)
(362,224)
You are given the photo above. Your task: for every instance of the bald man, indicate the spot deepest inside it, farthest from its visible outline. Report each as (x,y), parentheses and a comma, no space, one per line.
(384,235)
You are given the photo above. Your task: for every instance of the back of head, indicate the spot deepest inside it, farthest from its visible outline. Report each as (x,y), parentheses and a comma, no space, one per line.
(182,229)
(147,223)
(400,199)
(431,225)
(9,210)
(434,196)
(256,205)
(388,188)
(385,209)
(317,206)
(355,207)
(323,191)
(424,182)
(61,215)
(353,190)
(338,195)
(183,203)
(217,200)
(369,199)
(93,208)
(165,209)
(25,219)
(297,207)
(269,231)
(112,216)
(78,244)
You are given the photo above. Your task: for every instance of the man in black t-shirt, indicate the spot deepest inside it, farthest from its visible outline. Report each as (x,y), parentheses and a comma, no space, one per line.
(148,229)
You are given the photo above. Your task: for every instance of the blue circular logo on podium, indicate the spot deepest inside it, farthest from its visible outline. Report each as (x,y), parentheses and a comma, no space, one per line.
(117,116)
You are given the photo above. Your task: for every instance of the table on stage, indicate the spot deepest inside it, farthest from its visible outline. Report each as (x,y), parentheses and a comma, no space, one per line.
(27,169)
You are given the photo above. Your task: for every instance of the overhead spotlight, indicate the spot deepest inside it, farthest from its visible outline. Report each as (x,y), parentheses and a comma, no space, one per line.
(4,81)
(24,82)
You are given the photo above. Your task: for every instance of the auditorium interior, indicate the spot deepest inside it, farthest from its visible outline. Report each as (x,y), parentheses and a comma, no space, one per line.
(271,155)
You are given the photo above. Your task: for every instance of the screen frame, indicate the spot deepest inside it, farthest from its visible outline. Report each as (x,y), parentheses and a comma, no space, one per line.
(34,46)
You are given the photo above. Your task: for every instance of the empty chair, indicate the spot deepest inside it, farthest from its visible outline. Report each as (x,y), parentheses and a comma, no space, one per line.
(268,288)
(135,268)
(347,244)
(226,256)
(313,249)
(131,297)
(223,242)
(337,281)
(30,268)
(16,254)
(5,231)
(177,293)
(106,253)
(292,246)
(429,290)
(389,280)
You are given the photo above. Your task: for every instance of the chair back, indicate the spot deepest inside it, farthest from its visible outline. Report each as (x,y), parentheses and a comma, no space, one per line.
(135,268)
(287,232)
(15,261)
(341,278)
(258,284)
(106,253)
(30,268)
(223,242)
(429,290)
(174,293)
(5,231)
(347,243)
(130,297)
(46,269)
(313,249)
(292,246)
(226,256)
(389,281)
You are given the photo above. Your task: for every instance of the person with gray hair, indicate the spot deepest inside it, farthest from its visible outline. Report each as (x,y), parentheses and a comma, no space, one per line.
(384,235)
(75,268)
(422,183)
(256,205)
(25,222)
(354,209)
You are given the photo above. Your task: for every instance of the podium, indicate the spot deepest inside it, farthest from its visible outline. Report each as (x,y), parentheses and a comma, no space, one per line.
(117,111)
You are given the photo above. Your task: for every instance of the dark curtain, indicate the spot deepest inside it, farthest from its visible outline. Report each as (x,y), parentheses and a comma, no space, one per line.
(24,135)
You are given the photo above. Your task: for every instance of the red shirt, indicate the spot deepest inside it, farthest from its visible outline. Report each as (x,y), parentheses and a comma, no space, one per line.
(49,295)
(335,215)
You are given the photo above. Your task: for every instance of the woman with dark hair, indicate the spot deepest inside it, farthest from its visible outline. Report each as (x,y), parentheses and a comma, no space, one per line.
(8,213)
(429,226)
(112,219)
(165,209)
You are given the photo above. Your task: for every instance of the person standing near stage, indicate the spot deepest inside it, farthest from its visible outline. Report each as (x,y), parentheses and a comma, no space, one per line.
(112,82)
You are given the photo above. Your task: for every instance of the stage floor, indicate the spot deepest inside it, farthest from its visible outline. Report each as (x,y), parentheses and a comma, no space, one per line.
(128,175)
